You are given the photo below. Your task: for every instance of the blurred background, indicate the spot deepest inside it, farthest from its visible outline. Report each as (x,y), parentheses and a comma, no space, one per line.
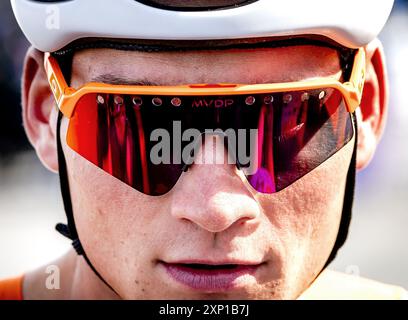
(30,201)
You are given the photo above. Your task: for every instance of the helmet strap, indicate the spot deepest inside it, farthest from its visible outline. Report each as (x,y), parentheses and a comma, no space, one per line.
(69,230)
(348,199)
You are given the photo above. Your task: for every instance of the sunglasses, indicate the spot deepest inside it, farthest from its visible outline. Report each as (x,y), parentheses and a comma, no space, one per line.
(294,126)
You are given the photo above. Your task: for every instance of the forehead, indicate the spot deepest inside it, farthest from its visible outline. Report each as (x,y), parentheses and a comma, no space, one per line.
(259,65)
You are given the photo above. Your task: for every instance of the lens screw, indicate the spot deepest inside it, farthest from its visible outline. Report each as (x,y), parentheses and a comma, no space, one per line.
(176,102)
(157,101)
(137,101)
(268,99)
(287,98)
(304,97)
(250,100)
(321,95)
(118,100)
(100,99)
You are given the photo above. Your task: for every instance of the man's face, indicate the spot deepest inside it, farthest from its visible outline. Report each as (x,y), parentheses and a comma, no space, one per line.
(143,245)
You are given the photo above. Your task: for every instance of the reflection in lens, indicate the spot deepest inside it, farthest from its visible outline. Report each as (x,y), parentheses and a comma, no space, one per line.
(297,131)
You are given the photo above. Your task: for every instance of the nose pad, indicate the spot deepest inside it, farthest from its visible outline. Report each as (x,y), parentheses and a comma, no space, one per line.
(211,194)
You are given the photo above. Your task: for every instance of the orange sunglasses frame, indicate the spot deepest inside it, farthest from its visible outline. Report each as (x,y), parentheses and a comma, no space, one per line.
(67,97)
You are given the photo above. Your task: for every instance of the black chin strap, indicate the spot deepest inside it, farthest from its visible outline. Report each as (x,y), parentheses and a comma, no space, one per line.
(69,230)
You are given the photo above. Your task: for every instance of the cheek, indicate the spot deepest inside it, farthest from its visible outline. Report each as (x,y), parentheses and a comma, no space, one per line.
(306,215)
(95,192)
(113,220)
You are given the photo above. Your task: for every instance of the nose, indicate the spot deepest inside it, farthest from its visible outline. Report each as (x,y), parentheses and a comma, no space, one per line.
(213,196)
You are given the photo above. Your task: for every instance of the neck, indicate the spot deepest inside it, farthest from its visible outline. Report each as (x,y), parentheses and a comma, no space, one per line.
(86,285)
(76,281)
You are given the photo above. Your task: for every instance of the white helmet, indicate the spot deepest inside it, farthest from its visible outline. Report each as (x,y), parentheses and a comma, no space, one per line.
(50,25)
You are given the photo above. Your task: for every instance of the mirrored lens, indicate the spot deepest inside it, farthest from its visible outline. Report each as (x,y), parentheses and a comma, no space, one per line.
(295,132)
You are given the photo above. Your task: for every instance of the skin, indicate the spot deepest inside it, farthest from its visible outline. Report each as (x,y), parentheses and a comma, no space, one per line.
(216,213)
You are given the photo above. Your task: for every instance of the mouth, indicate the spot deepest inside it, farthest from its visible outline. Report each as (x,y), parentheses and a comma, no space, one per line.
(211,277)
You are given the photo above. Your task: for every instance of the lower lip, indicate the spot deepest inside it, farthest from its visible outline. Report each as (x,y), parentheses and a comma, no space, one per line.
(211,280)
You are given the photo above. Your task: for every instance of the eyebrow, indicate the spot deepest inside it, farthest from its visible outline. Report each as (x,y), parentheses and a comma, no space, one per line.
(109,78)
(115,80)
